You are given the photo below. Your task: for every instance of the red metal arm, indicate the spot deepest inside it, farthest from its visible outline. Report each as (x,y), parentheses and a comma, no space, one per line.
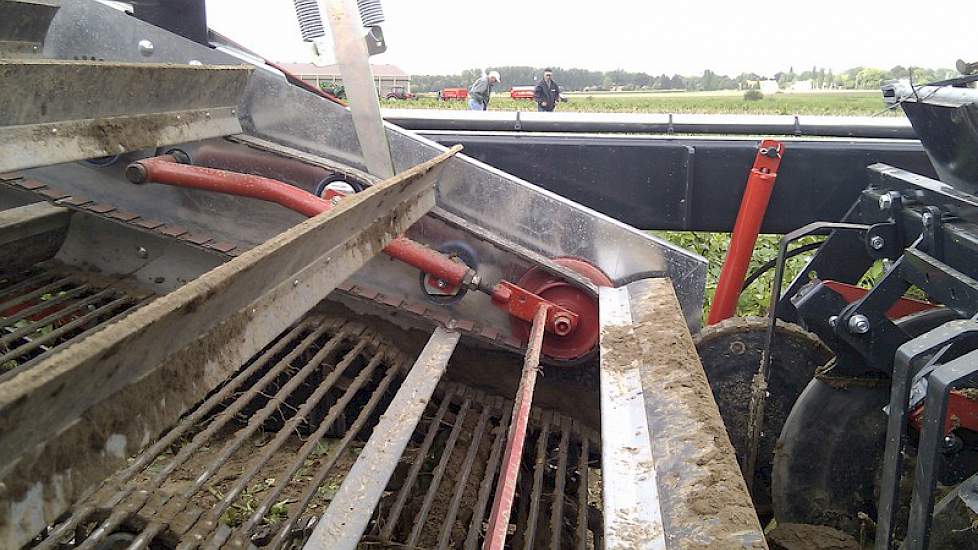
(165,170)
(517,301)
(502,504)
(760,183)
(901,308)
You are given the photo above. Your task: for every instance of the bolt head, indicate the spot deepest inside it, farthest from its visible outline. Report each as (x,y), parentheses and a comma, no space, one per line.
(562,325)
(885,201)
(146,47)
(876,242)
(142,253)
(833,321)
(858,324)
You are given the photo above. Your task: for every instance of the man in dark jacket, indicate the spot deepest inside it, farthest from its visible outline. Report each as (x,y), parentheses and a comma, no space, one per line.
(547,92)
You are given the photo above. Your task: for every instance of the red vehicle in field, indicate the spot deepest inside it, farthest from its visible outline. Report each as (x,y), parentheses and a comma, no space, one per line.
(448,94)
(521,92)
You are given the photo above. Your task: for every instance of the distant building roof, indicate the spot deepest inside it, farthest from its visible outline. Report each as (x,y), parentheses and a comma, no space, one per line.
(334,70)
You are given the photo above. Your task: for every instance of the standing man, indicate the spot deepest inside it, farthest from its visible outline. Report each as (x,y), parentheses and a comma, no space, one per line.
(547,92)
(481,90)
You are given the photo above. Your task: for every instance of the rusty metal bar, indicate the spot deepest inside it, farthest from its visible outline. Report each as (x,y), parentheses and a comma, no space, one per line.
(203,331)
(16,288)
(147,457)
(324,469)
(438,473)
(503,503)
(155,527)
(44,306)
(536,492)
(476,439)
(485,487)
(334,412)
(522,510)
(37,292)
(113,306)
(254,423)
(324,387)
(557,500)
(395,512)
(344,521)
(123,308)
(582,493)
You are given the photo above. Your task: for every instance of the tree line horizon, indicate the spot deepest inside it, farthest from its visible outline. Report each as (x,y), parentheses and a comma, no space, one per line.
(856,78)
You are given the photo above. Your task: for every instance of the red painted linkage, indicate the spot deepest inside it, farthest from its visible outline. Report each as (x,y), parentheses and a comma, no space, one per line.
(502,504)
(166,170)
(517,301)
(760,183)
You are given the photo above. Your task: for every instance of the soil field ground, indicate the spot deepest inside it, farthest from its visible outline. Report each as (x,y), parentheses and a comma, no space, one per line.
(854,103)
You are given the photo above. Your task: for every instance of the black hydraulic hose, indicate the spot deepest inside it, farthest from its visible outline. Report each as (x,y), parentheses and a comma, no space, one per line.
(771,263)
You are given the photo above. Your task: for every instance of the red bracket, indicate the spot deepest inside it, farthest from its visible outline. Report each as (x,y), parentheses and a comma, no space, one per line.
(753,205)
(962,412)
(901,308)
(523,304)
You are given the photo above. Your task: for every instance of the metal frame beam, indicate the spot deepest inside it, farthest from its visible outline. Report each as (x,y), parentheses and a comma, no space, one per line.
(112,108)
(694,462)
(689,183)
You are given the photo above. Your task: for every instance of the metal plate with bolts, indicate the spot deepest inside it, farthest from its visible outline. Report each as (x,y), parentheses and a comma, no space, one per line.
(196,334)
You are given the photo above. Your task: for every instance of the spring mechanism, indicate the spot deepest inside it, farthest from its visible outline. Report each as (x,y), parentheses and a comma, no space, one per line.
(310,20)
(371,13)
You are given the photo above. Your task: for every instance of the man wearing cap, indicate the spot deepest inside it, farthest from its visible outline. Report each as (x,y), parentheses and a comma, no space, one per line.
(547,92)
(481,90)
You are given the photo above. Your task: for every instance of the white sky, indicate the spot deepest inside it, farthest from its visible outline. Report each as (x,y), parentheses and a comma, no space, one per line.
(655,36)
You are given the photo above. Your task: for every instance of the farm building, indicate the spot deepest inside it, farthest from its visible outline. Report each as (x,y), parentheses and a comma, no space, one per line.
(386,77)
(769,86)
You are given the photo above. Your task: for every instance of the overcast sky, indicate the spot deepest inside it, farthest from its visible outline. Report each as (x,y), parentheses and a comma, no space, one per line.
(654,36)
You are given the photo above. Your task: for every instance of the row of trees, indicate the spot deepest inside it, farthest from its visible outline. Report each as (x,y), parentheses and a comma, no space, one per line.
(583,79)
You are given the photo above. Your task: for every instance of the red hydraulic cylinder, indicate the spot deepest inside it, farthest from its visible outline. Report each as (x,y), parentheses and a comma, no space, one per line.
(166,170)
(760,183)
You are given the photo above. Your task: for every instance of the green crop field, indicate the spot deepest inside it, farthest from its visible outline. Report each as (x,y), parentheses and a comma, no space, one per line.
(831,103)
